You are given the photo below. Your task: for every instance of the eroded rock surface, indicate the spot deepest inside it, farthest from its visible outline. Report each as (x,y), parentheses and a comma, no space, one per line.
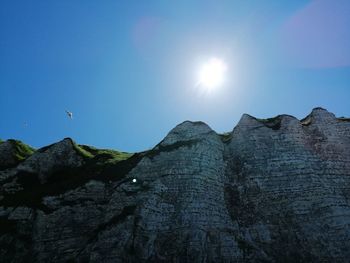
(274,190)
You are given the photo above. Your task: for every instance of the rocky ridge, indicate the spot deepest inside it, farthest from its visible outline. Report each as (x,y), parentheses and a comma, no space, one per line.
(272,190)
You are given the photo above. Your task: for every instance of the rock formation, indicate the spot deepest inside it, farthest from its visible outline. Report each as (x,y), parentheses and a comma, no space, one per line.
(272,190)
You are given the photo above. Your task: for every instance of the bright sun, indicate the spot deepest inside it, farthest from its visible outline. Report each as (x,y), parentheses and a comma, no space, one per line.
(211,75)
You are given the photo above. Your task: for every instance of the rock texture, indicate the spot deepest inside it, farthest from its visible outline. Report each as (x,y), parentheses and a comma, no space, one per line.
(273,190)
(12,152)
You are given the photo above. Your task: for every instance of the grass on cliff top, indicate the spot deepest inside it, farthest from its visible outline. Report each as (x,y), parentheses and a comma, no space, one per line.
(89,152)
(109,156)
(100,165)
(22,150)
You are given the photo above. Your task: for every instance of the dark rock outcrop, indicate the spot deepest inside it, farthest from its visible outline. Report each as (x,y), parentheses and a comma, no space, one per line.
(273,190)
(12,152)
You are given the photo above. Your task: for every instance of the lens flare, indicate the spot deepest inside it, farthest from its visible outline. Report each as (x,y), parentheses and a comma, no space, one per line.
(212,73)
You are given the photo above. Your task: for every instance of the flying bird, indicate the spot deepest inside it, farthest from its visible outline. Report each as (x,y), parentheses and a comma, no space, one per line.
(70,114)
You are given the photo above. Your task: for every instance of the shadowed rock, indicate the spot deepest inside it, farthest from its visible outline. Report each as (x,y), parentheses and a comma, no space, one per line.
(58,156)
(12,152)
(272,190)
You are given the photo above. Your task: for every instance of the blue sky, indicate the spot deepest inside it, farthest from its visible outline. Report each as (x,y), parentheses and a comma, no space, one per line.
(128,69)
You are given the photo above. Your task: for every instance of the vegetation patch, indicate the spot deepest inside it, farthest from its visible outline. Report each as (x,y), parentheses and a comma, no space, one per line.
(81,151)
(106,155)
(89,152)
(22,151)
(16,153)
(100,165)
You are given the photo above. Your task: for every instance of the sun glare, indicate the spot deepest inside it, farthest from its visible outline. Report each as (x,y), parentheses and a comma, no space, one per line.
(211,75)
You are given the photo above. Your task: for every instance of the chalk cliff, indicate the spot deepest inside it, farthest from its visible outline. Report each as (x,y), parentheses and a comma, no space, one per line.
(272,190)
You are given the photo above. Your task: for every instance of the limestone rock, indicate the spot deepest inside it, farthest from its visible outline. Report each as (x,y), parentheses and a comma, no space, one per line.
(45,161)
(272,190)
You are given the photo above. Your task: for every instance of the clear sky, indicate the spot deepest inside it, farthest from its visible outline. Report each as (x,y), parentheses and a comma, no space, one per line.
(128,69)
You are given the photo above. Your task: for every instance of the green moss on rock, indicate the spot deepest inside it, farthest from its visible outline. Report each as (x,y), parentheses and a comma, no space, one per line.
(22,150)
(33,191)
(100,165)
(81,151)
(109,156)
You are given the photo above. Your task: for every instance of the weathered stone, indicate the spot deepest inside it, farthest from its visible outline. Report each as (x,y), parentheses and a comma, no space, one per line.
(12,152)
(274,190)
(53,158)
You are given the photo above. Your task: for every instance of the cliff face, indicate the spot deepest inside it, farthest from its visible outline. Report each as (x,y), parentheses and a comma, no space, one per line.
(275,190)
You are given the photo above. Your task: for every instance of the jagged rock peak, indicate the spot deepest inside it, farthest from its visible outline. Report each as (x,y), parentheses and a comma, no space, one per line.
(187,130)
(318,115)
(66,142)
(47,160)
(319,109)
(319,112)
(248,122)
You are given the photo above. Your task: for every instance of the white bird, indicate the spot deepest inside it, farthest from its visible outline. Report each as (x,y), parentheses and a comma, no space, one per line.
(70,114)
